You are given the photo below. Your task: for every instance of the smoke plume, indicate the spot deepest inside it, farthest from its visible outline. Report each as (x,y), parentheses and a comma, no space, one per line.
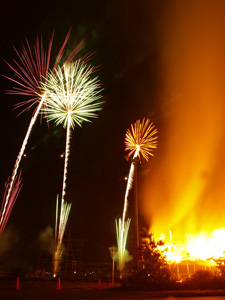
(46,239)
(184,191)
(8,240)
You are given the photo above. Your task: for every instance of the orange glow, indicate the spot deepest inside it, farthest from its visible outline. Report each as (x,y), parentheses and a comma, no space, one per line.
(199,247)
(184,191)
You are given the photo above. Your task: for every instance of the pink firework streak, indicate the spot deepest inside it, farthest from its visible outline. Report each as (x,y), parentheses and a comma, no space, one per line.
(31,70)
(7,206)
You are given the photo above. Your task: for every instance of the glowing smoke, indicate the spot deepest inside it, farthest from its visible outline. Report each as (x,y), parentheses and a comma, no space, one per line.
(46,239)
(185,189)
(9,240)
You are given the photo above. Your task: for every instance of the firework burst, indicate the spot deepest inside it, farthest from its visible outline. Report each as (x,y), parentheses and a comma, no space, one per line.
(31,68)
(141,139)
(140,142)
(73,97)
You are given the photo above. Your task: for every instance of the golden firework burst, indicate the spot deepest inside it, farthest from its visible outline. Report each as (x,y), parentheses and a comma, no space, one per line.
(141,139)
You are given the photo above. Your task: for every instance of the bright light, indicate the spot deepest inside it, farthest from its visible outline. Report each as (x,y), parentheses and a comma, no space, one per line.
(72,92)
(204,246)
(31,71)
(122,256)
(73,97)
(16,166)
(60,226)
(141,139)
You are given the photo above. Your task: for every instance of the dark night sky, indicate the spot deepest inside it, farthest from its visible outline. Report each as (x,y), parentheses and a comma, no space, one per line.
(123,36)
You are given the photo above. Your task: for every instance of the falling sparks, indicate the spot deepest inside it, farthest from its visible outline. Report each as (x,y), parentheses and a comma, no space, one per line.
(31,70)
(60,226)
(140,142)
(122,255)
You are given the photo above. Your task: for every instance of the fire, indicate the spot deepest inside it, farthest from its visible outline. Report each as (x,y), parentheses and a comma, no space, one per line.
(197,247)
(183,190)
(207,245)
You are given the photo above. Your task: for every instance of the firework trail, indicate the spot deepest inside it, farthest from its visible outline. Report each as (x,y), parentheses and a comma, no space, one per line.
(31,70)
(73,97)
(140,142)
(7,208)
(60,225)
(121,254)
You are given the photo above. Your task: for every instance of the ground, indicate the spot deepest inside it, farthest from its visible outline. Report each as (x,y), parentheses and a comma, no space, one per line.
(45,290)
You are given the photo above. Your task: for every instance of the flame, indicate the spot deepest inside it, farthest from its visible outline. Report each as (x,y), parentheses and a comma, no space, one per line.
(184,190)
(206,246)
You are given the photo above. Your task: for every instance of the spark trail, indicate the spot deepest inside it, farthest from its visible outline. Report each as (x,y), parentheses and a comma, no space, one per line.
(122,256)
(11,184)
(31,70)
(73,97)
(67,152)
(7,206)
(140,142)
(60,226)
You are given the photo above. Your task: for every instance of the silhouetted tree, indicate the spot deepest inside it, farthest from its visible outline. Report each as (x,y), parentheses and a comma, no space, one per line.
(152,260)
(221,265)
(204,279)
(153,272)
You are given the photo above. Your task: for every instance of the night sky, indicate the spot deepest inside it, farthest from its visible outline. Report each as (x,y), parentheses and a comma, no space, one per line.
(162,60)
(122,35)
